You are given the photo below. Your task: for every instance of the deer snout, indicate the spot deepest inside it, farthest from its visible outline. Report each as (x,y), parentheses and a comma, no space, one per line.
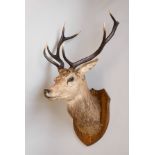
(49,93)
(46,92)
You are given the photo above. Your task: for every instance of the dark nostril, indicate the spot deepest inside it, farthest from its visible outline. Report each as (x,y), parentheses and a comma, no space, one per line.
(46,91)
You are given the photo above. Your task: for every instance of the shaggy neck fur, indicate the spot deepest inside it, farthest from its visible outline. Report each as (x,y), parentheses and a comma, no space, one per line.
(85,109)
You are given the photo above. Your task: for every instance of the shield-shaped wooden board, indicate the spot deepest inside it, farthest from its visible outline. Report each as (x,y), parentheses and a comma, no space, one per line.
(104,119)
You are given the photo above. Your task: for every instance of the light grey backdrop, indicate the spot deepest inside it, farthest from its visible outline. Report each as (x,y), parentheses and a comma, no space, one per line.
(49,128)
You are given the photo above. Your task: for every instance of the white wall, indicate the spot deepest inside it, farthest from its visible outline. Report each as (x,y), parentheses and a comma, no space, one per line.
(49,128)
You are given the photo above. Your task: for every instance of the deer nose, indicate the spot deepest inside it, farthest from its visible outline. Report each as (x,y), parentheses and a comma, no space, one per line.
(46,91)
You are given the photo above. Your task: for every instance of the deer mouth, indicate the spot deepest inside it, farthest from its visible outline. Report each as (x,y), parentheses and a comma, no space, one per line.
(50,97)
(46,94)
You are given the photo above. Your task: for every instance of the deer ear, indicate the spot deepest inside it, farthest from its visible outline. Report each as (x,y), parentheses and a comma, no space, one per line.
(87,66)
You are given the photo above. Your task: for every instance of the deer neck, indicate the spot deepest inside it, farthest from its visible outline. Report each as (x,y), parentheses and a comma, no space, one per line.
(84,108)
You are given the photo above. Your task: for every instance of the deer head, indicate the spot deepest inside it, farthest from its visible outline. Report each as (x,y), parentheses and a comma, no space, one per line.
(88,108)
(71,81)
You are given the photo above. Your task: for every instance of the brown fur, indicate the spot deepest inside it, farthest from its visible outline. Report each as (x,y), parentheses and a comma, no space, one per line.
(85,109)
(82,106)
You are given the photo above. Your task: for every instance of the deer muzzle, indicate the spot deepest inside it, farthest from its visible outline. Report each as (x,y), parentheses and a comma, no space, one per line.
(47,93)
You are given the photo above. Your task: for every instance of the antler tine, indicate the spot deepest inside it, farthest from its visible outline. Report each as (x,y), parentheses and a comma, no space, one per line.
(50,60)
(63,39)
(65,58)
(113,29)
(98,51)
(57,55)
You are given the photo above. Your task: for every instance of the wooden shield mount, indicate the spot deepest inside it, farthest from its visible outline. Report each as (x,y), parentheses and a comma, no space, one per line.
(104,99)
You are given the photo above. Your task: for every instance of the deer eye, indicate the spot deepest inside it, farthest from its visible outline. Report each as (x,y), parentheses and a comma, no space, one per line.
(70,79)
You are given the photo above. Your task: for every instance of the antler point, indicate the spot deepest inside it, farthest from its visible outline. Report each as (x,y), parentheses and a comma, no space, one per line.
(104,25)
(45,46)
(110,12)
(63,29)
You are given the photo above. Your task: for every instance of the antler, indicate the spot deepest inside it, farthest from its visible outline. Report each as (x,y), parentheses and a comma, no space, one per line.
(98,51)
(57,55)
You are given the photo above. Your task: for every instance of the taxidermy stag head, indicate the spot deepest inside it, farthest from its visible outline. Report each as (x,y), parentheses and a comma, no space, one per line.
(88,108)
